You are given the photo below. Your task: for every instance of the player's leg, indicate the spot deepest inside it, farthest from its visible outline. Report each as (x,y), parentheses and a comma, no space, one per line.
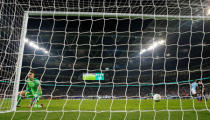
(201,96)
(35,100)
(21,95)
(204,96)
(198,96)
(194,94)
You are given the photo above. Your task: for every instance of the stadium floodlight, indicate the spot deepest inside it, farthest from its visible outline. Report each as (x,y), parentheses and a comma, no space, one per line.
(31,44)
(161,42)
(144,50)
(34,45)
(26,40)
(153,46)
(46,52)
(208,11)
(42,49)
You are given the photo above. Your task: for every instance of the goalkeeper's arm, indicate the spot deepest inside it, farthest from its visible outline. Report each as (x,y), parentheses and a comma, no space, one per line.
(27,89)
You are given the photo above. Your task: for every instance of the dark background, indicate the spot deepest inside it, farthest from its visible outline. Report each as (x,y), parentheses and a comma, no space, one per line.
(93,43)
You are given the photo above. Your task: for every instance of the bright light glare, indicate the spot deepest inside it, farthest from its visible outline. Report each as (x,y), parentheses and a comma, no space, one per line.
(161,42)
(153,46)
(142,51)
(208,11)
(26,40)
(45,51)
(42,49)
(36,46)
(32,44)
(150,47)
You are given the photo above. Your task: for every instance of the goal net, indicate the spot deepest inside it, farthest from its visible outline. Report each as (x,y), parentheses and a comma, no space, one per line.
(106,59)
(10,31)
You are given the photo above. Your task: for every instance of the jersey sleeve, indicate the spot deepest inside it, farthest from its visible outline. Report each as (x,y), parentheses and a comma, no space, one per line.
(36,83)
(27,86)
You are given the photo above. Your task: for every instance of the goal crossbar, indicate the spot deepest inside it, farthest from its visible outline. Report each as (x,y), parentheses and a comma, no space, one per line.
(118,15)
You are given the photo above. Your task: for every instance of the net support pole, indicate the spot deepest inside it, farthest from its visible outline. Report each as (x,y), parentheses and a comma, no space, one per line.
(19,61)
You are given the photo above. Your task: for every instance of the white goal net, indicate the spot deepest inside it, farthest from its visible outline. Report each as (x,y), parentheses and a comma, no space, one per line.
(107,58)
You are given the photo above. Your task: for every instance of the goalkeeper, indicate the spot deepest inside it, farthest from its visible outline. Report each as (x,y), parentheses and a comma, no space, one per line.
(33,90)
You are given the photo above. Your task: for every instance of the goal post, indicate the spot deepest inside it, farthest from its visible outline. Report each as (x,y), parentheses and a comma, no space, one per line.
(19,62)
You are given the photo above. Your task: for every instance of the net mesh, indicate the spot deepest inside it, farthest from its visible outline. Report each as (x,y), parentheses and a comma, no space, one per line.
(10,31)
(107,57)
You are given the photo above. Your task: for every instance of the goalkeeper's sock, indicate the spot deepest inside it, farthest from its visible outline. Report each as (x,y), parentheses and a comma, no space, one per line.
(19,100)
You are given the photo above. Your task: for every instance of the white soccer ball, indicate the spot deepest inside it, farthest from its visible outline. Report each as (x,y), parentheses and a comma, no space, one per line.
(156,97)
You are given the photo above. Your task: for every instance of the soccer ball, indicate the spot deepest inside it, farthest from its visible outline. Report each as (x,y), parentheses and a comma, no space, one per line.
(157,97)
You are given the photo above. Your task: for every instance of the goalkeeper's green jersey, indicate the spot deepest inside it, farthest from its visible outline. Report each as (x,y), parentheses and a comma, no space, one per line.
(32,86)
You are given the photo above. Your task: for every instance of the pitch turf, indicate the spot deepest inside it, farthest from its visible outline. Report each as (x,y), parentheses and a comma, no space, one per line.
(120,110)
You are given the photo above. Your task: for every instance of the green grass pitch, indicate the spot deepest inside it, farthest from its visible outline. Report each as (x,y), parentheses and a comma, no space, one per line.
(131,109)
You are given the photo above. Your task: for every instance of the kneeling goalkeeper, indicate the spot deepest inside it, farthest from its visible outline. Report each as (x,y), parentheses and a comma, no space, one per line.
(33,90)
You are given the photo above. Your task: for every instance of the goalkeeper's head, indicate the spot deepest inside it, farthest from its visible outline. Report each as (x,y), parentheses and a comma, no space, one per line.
(31,75)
